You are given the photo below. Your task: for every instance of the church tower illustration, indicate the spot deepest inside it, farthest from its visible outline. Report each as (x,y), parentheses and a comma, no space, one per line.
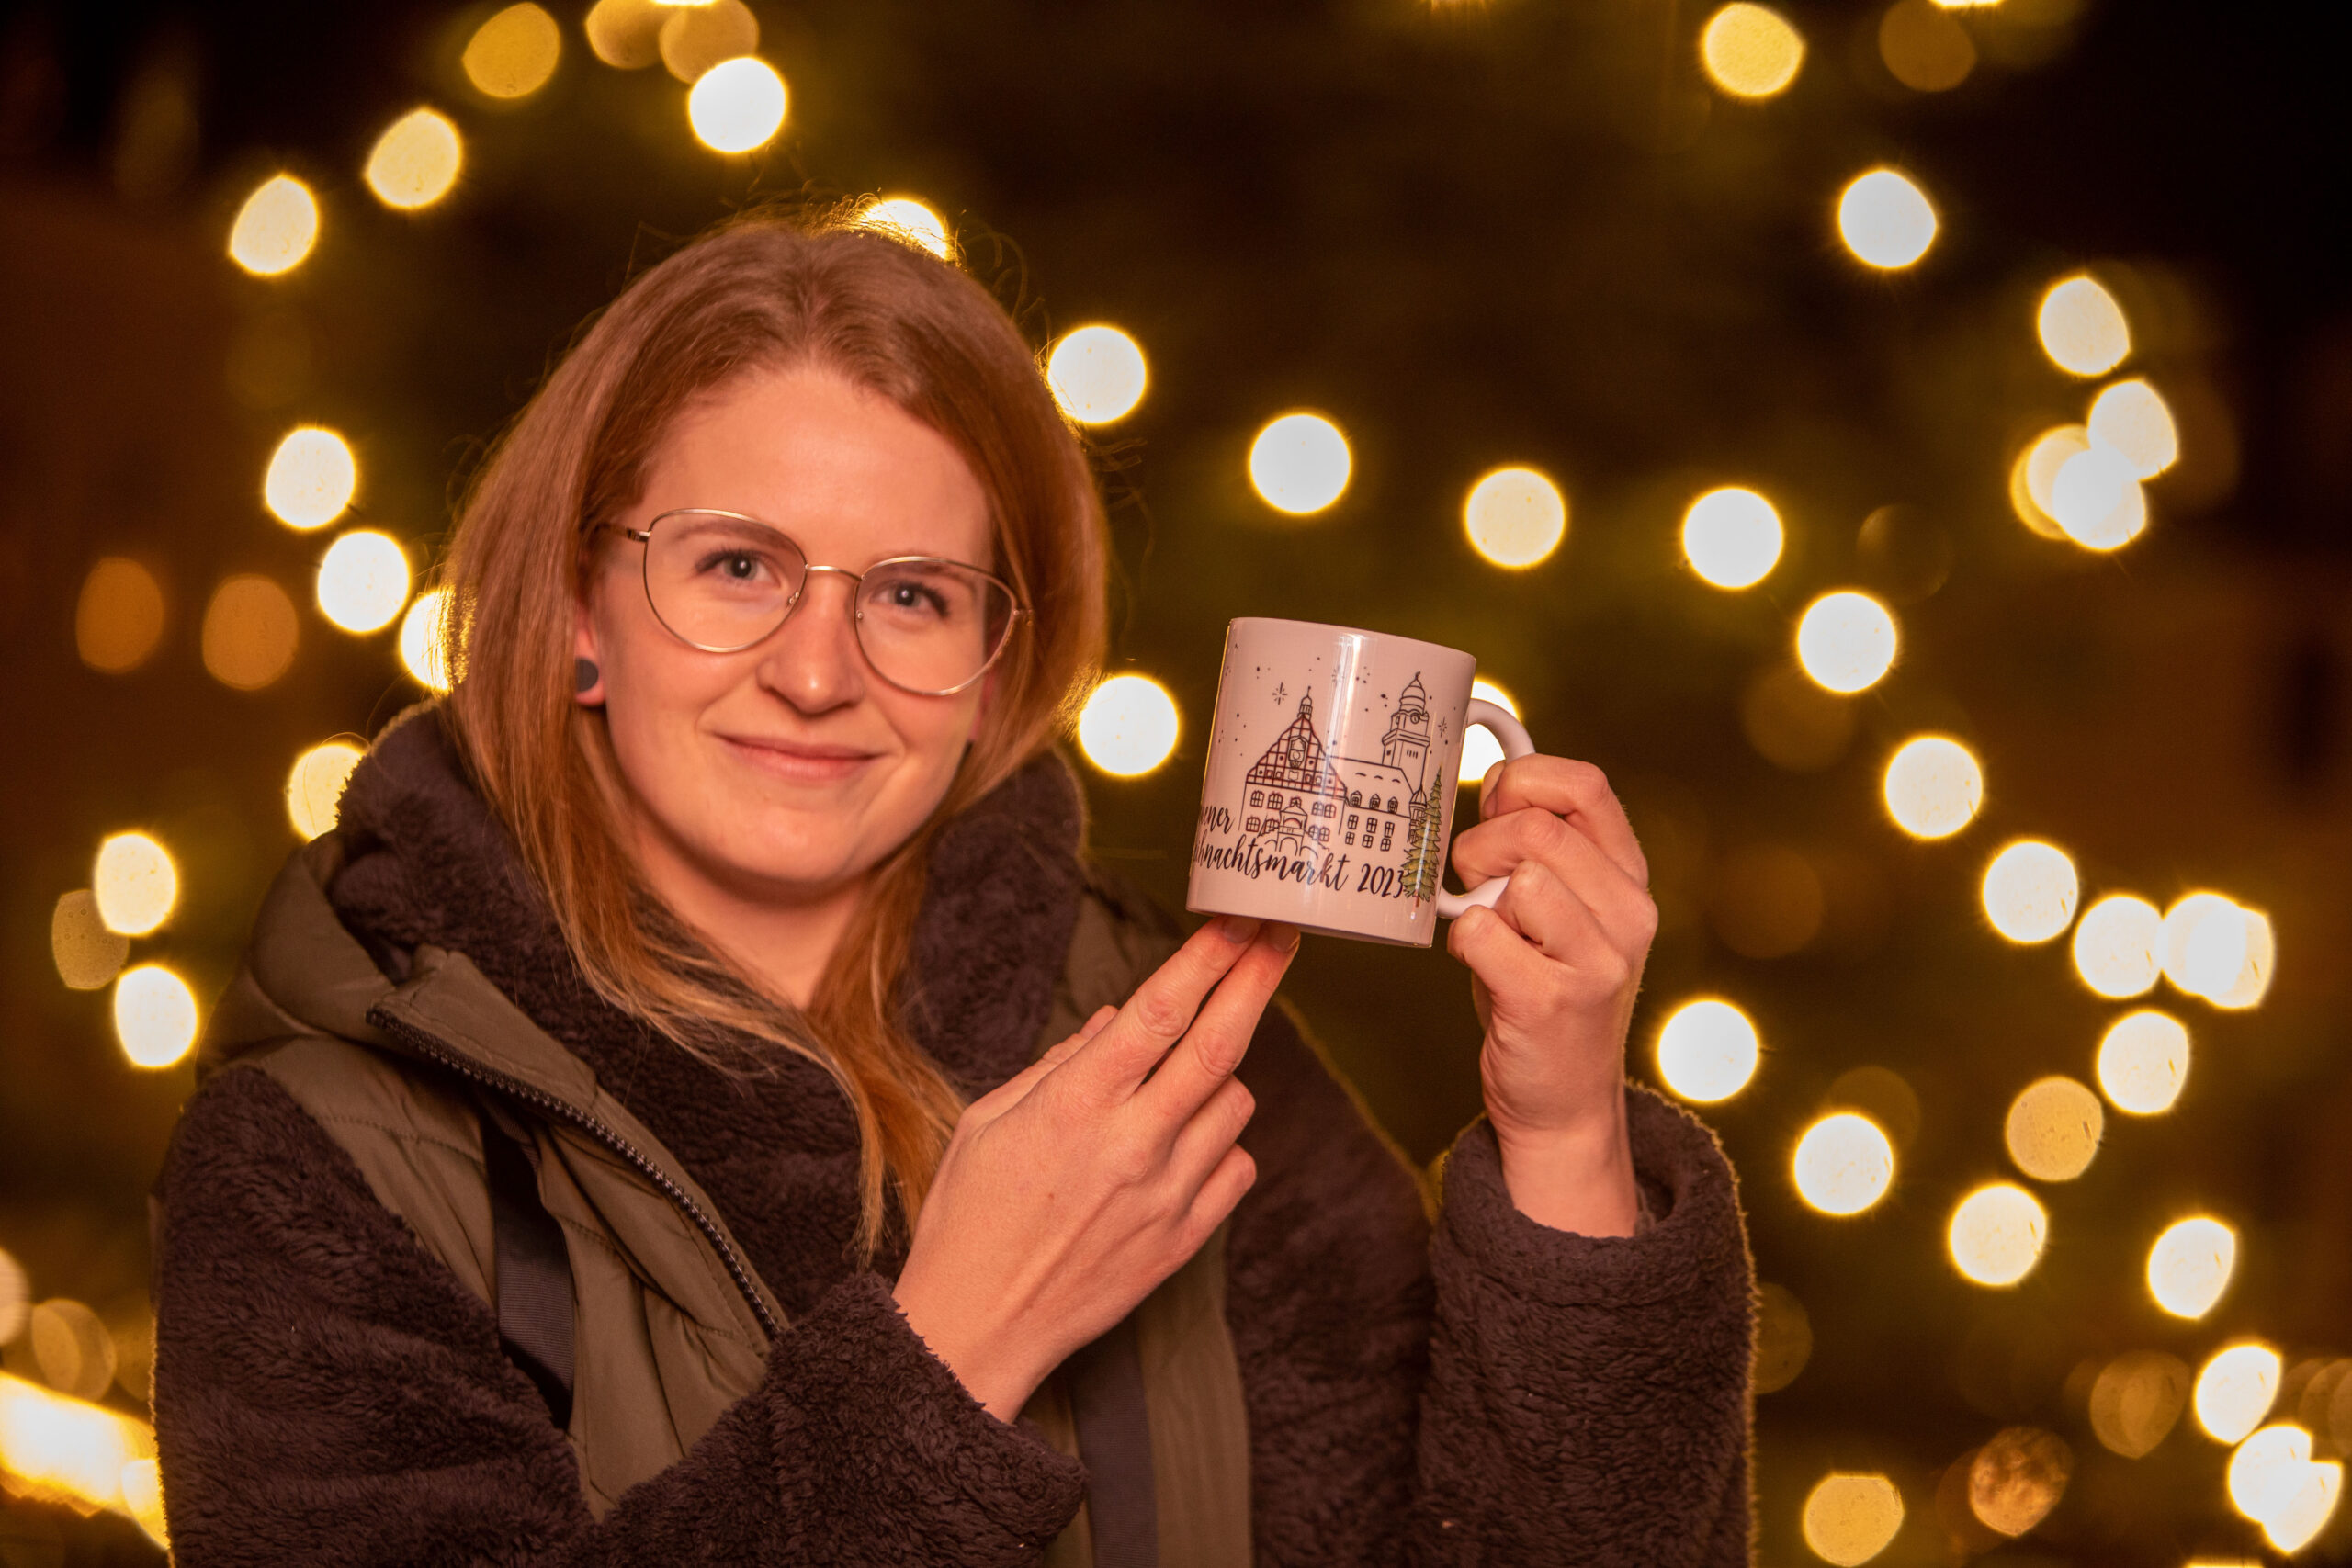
(1406,745)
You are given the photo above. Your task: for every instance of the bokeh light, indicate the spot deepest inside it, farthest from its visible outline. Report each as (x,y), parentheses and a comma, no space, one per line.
(2133,418)
(2303,1509)
(314,786)
(2217,948)
(2036,471)
(276,228)
(1784,1337)
(2030,890)
(1850,1518)
(250,632)
(1480,750)
(1843,1164)
(135,883)
(88,956)
(71,1348)
(1097,373)
(2082,327)
(2136,1401)
(696,38)
(1299,463)
(513,54)
(1846,641)
(1707,1049)
(1750,51)
(1933,786)
(1997,1234)
(2143,1062)
(904,217)
(311,478)
(155,1016)
(2097,499)
(15,1296)
(737,106)
(1794,723)
(1515,517)
(2190,1266)
(424,640)
(2236,1390)
(2117,943)
(2267,1469)
(1886,220)
(2054,1129)
(1128,726)
(142,1498)
(2016,1479)
(1732,536)
(363,582)
(1924,49)
(55,1445)
(415,162)
(119,618)
(626,34)
(2261,957)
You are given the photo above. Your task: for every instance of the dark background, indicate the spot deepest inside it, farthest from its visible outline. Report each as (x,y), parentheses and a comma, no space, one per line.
(1523,231)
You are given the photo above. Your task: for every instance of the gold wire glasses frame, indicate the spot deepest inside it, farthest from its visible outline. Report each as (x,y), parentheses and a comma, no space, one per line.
(722,581)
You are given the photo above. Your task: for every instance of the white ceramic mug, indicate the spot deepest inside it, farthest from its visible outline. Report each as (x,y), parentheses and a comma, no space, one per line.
(1328,797)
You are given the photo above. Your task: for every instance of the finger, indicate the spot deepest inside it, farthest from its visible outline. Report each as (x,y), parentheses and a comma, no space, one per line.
(1546,911)
(1212,1049)
(1226,1187)
(1057,1055)
(1510,967)
(1115,1060)
(1577,791)
(1533,836)
(1014,1089)
(1201,1142)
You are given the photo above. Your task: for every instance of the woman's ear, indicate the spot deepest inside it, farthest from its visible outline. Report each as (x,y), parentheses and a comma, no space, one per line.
(587,670)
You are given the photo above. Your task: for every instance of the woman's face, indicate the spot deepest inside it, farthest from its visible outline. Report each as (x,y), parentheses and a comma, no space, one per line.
(786,771)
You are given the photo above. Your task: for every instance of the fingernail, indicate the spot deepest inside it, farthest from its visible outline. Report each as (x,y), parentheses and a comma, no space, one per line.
(1237,928)
(1285,939)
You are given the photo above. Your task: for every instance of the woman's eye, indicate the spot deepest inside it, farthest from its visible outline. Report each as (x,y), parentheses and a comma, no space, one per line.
(914,597)
(734,566)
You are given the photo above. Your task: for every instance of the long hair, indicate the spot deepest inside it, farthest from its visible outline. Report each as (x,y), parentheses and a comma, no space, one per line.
(762,292)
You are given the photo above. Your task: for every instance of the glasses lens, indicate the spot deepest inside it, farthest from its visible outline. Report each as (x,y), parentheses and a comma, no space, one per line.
(931,626)
(720,582)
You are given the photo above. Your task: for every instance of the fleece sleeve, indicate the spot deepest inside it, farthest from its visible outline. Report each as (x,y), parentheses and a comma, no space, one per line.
(327,1393)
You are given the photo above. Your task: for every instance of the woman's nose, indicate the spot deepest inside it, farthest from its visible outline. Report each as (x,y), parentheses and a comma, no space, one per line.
(813,661)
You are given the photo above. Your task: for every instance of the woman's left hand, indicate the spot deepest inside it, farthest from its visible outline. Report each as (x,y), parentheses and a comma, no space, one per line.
(1554,967)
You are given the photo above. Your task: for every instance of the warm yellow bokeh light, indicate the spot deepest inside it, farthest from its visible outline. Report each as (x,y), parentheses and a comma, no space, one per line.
(1480,750)
(626,34)
(135,883)
(1886,220)
(1515,517)
(2133,418)
(312,477)
(1750,51)
(1096,373)
(1997,1235)
(513,54)
(2266,1469)
(250,632)
(155,1016)
(1846,641)
(314,786)
(2143,1062)
(416,161)
(737,106)
(1924,49)
(1299,463)
(2236,1390)
(2030,890)
(2137,1399)
(1850,1518)
(52,1444)
(2082,327)
(119,618)
(1128,726)
(2190,1266)
(2305,1505)
(2261,957)
(1843,1164)
(2217,948)
(1732,538)
(276,228)
(142,1498)
(2054,1129)
(363,582)
(2117,944)
(1707,1051)
(1933,786)
(2035,471)
(424,640)
(88,956)
(693,37)
(904,217)
(2097,499)
(2017,1478)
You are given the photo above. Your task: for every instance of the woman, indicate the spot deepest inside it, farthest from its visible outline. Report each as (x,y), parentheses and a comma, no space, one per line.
(544,1197)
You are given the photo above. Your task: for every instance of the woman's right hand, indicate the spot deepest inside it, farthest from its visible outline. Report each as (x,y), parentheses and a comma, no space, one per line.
(1071,1190)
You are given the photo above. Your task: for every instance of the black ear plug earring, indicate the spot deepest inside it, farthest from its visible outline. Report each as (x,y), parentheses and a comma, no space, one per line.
(585,674)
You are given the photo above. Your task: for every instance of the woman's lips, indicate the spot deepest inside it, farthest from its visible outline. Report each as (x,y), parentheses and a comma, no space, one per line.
(801,762)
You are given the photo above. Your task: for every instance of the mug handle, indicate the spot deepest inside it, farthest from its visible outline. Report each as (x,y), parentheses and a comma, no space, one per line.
(1516,743)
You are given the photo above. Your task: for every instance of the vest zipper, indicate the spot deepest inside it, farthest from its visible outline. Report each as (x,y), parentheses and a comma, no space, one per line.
(430,1046)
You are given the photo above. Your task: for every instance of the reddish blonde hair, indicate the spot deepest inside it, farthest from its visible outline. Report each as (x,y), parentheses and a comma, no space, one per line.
(762,292)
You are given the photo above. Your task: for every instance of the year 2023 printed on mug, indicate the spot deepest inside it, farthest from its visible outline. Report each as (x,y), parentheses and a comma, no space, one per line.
(1328,800)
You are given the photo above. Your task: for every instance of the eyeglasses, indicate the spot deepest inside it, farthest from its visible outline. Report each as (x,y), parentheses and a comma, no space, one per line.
(721,581)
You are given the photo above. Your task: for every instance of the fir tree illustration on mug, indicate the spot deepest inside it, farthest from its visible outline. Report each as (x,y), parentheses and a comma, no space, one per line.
(1332,809)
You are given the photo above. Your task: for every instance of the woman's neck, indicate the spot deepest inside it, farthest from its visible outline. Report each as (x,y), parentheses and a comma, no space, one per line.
(784,940)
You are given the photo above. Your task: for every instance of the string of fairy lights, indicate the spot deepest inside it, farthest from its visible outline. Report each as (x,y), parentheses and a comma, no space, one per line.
(2080,485)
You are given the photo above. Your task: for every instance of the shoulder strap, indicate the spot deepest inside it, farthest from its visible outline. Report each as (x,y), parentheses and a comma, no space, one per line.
(533,1287)
(1108,1407)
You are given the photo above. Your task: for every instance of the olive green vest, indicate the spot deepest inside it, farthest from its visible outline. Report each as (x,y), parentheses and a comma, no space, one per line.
(672,1324)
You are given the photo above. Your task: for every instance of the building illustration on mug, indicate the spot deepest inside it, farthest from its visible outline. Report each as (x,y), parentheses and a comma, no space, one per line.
(1308,804)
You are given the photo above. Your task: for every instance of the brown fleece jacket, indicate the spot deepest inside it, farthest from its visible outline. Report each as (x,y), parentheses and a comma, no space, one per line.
(326,1392)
